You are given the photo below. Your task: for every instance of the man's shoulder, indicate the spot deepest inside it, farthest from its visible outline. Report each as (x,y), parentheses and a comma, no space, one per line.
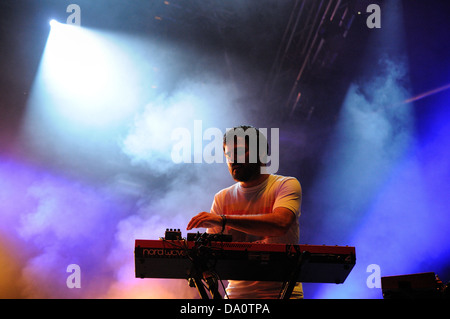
(274,180)
(285,184)
(283,179)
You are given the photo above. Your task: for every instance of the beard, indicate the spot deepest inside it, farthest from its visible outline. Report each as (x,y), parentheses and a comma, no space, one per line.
(245,172)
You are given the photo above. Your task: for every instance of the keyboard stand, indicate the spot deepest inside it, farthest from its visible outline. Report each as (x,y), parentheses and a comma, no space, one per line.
(200,271)
(288,286)
(212,285)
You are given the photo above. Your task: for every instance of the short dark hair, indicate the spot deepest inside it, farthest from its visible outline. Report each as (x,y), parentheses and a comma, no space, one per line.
(246,131)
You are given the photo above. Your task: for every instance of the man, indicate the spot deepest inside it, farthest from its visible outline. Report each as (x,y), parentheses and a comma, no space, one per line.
(259,207)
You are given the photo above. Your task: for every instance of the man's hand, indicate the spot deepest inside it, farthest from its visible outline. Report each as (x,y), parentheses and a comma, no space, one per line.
(274,224)
(204,220)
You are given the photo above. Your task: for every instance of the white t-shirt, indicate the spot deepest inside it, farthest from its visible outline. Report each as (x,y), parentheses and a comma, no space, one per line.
(275,191)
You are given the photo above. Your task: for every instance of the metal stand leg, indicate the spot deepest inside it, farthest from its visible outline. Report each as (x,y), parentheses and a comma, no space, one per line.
(290,284)
(198,284)
(213,287)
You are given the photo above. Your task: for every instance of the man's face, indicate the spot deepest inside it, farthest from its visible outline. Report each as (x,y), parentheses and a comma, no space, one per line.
(238,162)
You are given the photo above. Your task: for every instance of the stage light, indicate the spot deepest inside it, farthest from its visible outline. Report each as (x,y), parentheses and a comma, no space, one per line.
(370,148)
(53,23)
(86,77)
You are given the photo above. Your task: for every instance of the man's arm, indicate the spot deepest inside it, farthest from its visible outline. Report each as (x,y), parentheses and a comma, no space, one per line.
(274,224)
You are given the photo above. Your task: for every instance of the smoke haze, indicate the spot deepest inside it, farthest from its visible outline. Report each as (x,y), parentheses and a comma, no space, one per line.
(84,192)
